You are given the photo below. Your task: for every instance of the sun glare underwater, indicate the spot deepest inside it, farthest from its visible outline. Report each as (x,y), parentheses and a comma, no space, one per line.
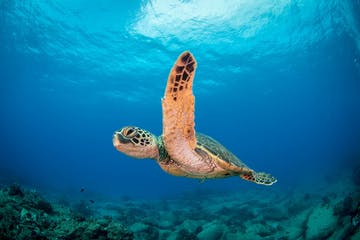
(277,83)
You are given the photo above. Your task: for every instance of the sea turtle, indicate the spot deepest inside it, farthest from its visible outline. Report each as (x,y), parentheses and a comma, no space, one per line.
(179,150)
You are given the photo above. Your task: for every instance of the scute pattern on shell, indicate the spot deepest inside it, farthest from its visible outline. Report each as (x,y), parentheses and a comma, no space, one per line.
(218,150)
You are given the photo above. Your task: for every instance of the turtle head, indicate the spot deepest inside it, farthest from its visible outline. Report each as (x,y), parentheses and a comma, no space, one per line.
(136,142)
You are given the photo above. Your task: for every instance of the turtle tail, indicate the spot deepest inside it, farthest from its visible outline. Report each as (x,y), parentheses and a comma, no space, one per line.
(259,178)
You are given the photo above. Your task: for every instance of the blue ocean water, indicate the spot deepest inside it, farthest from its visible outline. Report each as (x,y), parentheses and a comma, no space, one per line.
(278,83)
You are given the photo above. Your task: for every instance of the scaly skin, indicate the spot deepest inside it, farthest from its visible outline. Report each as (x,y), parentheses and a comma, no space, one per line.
(178,118)
(179,151)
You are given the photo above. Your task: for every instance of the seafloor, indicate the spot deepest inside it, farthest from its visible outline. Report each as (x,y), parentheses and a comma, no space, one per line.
(331,210)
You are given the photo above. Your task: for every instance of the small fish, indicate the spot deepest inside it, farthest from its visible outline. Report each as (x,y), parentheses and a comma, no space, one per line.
(82,189)
(92,201)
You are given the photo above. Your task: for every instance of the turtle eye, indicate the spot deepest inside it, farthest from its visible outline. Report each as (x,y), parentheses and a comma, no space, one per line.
(129,132)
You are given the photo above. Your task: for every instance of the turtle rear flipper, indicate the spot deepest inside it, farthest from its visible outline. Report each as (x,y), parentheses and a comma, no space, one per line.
(259,178)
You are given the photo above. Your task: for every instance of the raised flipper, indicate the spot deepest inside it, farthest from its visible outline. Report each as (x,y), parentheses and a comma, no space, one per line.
(178,116)
(259,178)
(178,102)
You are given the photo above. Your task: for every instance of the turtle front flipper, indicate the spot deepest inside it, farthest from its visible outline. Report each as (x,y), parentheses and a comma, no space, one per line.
(259,178)
(178,102)
(178,116)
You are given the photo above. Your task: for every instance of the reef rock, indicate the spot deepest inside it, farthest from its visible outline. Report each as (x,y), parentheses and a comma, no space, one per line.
(193,225)
(138,227)
(36,218)
(211,231)
(321,223)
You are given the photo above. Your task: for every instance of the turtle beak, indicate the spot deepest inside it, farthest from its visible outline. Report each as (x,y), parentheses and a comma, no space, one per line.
(120,139)
(115,139)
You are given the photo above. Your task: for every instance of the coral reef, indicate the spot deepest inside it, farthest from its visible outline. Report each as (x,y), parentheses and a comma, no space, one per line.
(26,215)
(333,212)
(274,214)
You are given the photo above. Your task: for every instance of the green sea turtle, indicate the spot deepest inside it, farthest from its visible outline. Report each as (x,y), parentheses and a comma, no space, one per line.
(179,150)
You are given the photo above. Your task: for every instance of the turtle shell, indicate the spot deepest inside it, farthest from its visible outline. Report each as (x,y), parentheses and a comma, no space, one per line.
(218,150)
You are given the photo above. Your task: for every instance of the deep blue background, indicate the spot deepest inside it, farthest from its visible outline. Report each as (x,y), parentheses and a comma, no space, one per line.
(277,83)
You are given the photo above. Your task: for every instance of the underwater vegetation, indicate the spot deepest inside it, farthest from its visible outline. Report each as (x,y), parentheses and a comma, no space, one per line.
(331,212)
